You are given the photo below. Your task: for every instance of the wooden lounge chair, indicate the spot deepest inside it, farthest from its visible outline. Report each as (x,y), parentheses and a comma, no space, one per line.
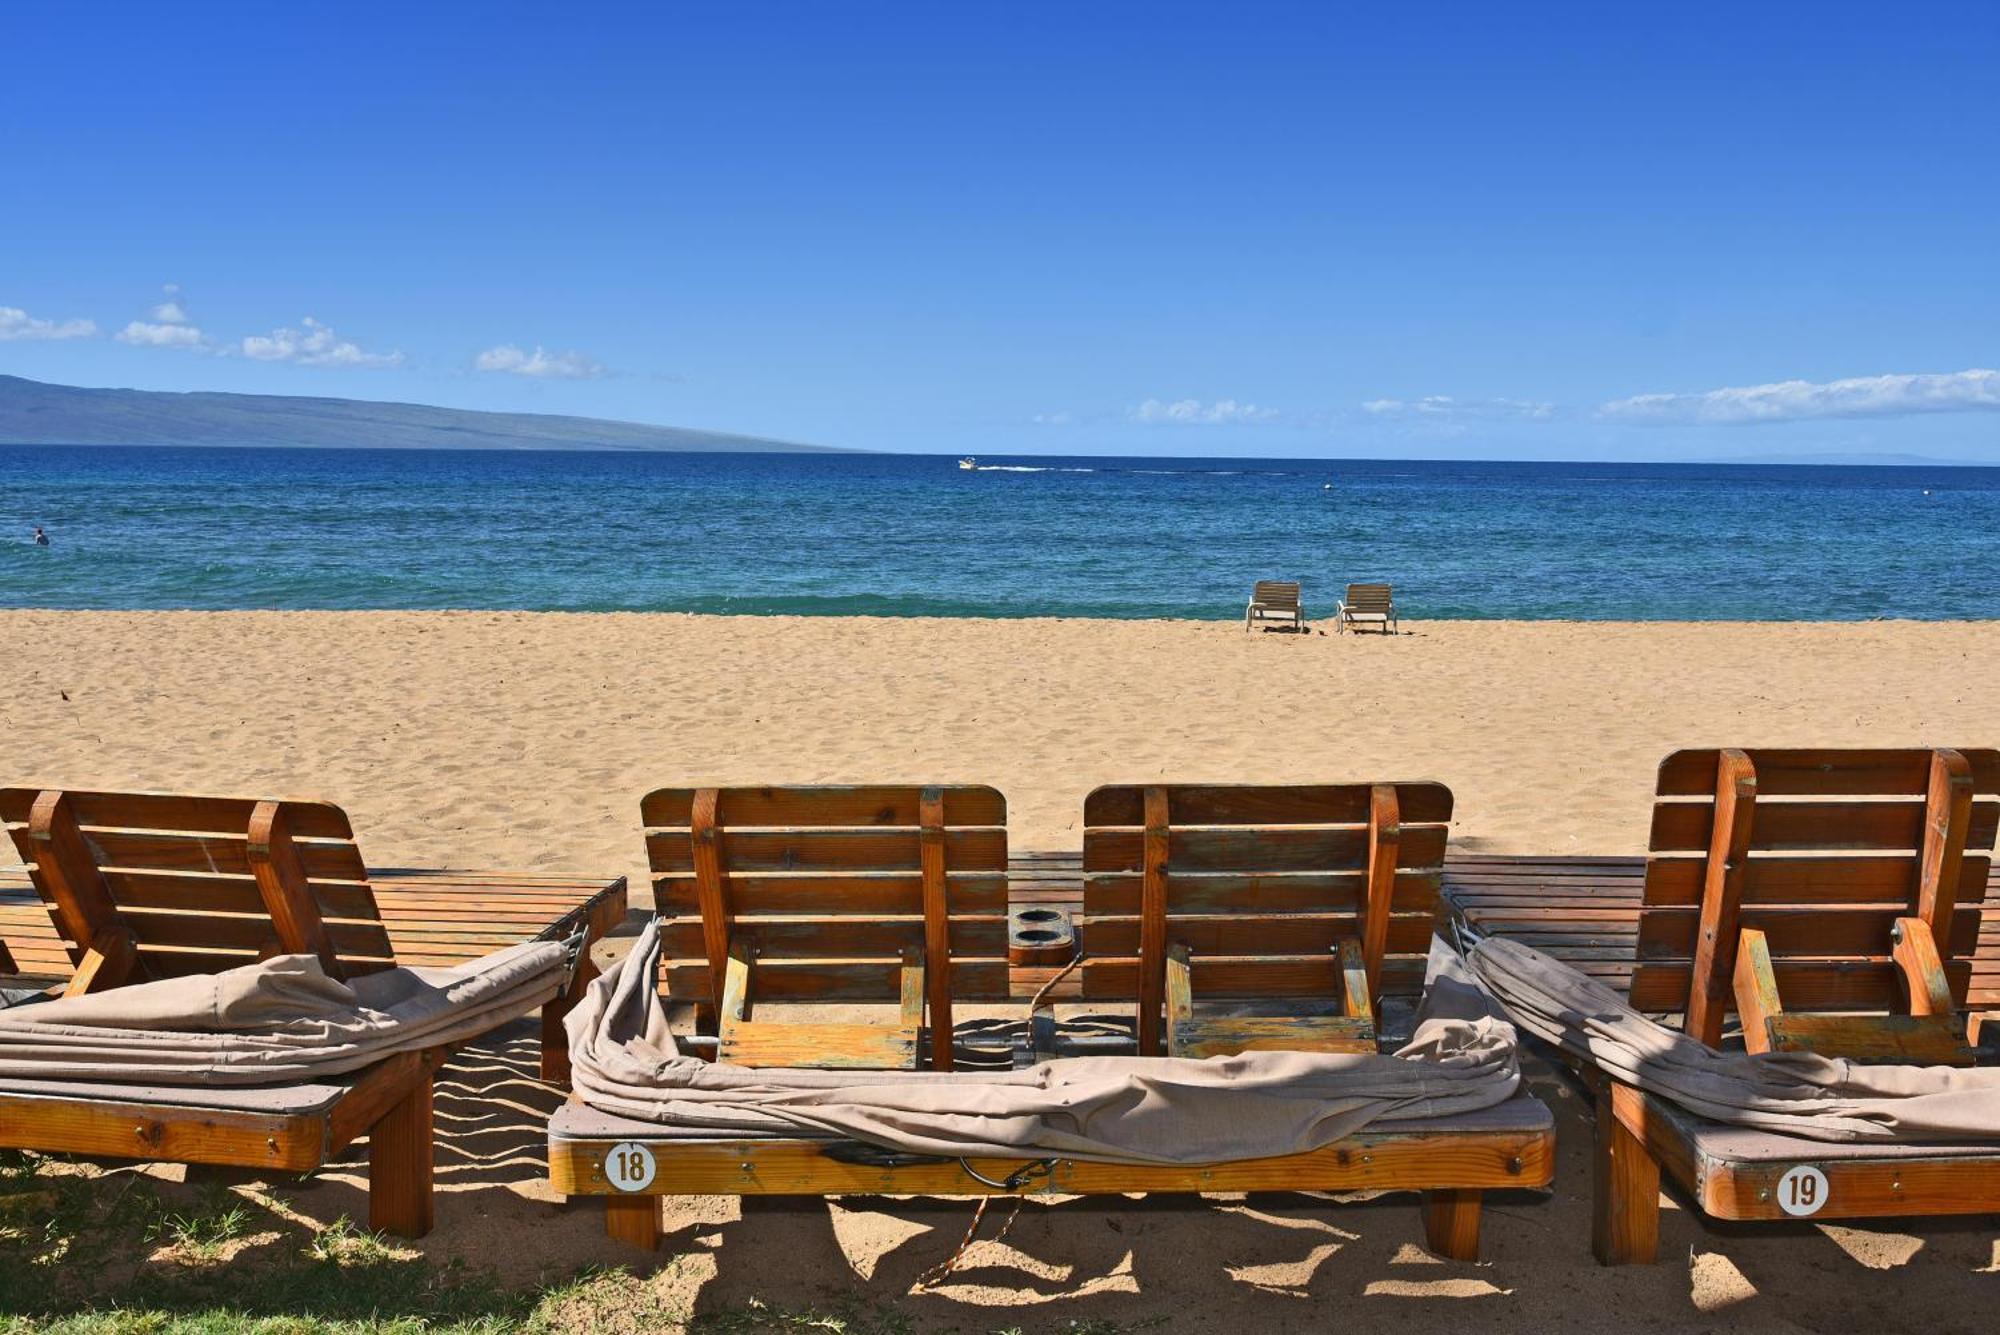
(1830,899)
(1260,897)
(1274,602)
(1301,907)
(1367,605)
(831,895)
(631,1163)
(150,885)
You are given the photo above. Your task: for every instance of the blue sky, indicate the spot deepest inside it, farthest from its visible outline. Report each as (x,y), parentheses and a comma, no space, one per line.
(1425,230)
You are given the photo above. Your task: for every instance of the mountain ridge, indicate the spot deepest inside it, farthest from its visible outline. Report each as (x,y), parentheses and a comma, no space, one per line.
(35,412)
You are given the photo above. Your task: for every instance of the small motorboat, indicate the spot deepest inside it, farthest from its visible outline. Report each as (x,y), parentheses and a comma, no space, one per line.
(969,464)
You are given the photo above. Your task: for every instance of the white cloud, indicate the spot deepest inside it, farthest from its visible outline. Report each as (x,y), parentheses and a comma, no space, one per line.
(162,335)
(540,364)
(1436,406)
(1053,419)
(1193,412)
(1792,400)
(314,345)
(171,311)
(17,326)
(169,326)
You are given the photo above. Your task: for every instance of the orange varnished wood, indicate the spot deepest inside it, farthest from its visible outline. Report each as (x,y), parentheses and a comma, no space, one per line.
(401,1164)
(937,922)
(711,892)
(1153,920)
(633,1220)
(1385,836)
(108,963)
(112,1128)
(1859,1187)
(235,880)
(430,917)
(1279,874)
(1947,827)
(1722,895)
(1257,917)
(1384,1161)
(201,897)
(1915,953)
(1625,1179)
(1756,988)
(1838,846)
(833,894)
(281,881)
(824,1046)
(65,871)
(1451,1223)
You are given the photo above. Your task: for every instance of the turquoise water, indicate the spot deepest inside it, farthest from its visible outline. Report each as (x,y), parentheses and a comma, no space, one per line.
(916,535)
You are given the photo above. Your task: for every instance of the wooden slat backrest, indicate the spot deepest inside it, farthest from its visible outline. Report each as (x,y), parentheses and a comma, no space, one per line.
(828,885)
(1368,598)
(1260,883)
(1821,850)
(1280,593)
(202,883)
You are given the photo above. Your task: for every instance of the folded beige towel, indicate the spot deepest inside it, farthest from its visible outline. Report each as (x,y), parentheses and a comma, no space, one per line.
(279,1020)
(1128,1109)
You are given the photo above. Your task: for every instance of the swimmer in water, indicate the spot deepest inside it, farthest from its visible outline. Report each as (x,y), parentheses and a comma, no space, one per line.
(41,538)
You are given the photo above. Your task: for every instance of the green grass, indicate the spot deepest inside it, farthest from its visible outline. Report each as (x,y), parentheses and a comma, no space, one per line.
(117,1252)
(203,1233)
(846,1319)
(121,1253)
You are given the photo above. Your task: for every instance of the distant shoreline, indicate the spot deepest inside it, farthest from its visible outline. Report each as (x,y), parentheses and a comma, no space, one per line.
(1802,461)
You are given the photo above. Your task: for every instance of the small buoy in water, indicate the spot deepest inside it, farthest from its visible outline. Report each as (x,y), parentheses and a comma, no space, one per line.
(1927,491)
(1328,486)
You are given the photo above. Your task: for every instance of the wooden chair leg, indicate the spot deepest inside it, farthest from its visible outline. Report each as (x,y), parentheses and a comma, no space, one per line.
(634,1220)
(400,1159)
(1451,1224)
(555,1038)
(1625,1188)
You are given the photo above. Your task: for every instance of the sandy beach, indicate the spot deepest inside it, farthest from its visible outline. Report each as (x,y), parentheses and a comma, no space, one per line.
(526,739)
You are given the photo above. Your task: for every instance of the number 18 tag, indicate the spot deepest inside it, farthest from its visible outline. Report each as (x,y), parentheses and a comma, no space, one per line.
(1802,1190)
(629,1166)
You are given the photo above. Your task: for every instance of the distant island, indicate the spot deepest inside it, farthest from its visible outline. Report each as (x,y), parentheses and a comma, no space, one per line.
(35,413)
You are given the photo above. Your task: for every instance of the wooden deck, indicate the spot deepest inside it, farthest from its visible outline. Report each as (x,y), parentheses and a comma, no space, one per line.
(432,917)
(1585,912)
(1045,880)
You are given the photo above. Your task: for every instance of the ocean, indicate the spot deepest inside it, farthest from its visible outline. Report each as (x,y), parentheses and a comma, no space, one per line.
(902,535)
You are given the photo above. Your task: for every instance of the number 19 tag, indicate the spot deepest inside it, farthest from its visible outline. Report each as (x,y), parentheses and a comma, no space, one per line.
(1802,1190)
(629,1166)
